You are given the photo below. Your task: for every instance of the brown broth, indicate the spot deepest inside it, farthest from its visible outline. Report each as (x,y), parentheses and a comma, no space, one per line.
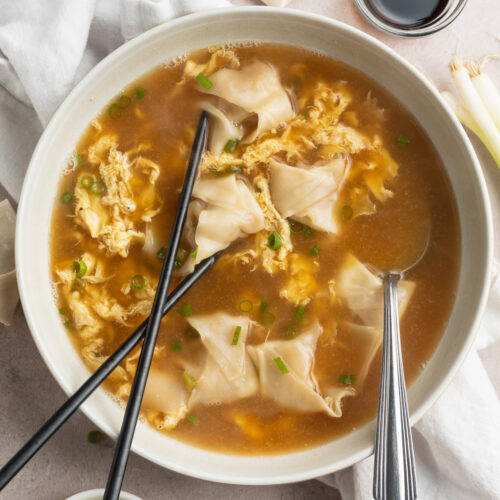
(167,121)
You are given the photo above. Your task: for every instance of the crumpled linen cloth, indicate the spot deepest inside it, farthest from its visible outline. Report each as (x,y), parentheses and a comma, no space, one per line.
(46,48)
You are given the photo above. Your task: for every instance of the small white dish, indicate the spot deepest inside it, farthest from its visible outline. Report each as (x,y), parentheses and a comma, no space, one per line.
(183,35)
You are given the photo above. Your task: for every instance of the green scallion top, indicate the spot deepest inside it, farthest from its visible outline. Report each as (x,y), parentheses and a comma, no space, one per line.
(315,250)
(403,141)
(274,241)
(300,313)
(67,197)
(138,281)
(204,81)
(231,145)
(245,306)
(139,93)
(236,335)
(189,380)
(176,345)
(347,379)
(186,310)
(79,267)
(347,212)
(192,419)
(282,367)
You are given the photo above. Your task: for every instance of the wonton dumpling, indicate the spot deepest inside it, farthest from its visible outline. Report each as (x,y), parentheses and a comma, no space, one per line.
(228,374)
(308,194)
(231,212)
(363,292)
(8,284)
(257,89)
(296,389)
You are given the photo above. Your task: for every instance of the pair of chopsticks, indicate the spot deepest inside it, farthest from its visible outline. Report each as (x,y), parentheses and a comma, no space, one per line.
(147,330)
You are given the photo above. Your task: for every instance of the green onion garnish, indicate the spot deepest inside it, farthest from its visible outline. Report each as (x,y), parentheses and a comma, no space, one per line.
(139,93)
(77,284)
(264,305)
(233,169)
(274,241)
(347,212)
(124,101)
(300,312)
(87,181)
(79,160)
(194,254)
(236,335)
(186,310)
(79,267)
(296,227)
(161,253)
(204,81)
(69,325)
(67,197)
(231,145)
(347,379)
(189,380)
(191,333)
(62,311)
(114,111)
(315,250)
(176,345)
(403,140)
(192,419)
(94,437)
(291,332)
(138,281)
(267,318)
(310,233)
(279,362)
(245,306)
(98,187)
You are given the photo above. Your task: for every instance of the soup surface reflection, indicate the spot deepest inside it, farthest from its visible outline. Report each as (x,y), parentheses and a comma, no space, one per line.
(311,171)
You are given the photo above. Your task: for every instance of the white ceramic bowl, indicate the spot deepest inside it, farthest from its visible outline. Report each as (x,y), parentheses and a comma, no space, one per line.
(267,25)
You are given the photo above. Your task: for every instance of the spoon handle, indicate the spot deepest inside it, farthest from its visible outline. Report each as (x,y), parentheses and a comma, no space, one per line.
(394,470)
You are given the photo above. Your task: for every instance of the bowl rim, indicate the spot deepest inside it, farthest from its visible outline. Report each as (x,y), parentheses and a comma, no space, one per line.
(292,14)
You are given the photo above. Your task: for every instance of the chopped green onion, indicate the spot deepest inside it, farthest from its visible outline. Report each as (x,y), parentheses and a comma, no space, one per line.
(282,367)
(347,212)
(347,379)
(274,241)
(403,141)
(192,419)
(79,267)
(204,81)
(161,253)
(263,306)
(69,325)
(124,101)
(94,437)
(245,306)
(79,160)
(236,335)
(139,93)
(291,332)
(296,227)
(186,310)
(176,345)
(98,187)
(138,281)
(194,254)
(233,169)
(310,233)
(267,318)
(62,311)
(191,333)
(77,284)
(67,197)
(231,145)
(189,380)
(300,312)
(315,250)
(114,111)
(215,170)
(87,181)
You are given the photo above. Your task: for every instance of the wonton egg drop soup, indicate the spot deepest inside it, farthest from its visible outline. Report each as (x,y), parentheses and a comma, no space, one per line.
(311,171)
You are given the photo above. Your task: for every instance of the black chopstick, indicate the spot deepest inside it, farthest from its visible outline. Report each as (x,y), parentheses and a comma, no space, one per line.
(51,426)
(122,450)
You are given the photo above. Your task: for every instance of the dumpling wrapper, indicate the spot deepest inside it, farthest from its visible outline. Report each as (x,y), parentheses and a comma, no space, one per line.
(362,292)
(9,294)
(231,212)
(228,374)
(308,194)
(256,88)
(296,389)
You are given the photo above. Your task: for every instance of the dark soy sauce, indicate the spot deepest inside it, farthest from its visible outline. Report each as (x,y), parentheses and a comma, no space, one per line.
(407,13)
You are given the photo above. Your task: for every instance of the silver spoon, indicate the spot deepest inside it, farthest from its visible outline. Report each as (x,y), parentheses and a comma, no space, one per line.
(394,475)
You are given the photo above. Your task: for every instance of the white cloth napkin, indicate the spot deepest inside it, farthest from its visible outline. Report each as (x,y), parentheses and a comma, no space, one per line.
(46,47)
